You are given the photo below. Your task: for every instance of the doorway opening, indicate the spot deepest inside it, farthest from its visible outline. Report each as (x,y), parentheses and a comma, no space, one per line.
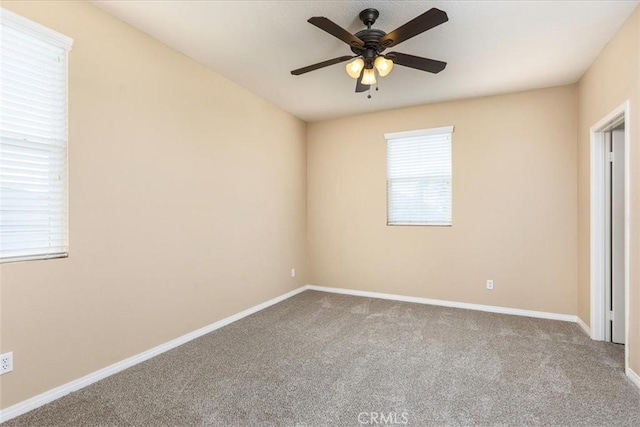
(615,309)
(610,228)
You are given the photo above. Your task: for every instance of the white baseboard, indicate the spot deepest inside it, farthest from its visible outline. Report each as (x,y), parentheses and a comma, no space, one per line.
(584,326)
(635,378)
(58,392)
(453,304)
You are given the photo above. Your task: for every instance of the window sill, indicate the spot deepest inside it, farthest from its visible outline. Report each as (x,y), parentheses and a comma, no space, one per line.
(34,258)
(425,224)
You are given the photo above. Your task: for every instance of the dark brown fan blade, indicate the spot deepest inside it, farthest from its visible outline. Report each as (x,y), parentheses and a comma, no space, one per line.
(321,65)
(359,86)
(431,18)
(335,30)
(417,62)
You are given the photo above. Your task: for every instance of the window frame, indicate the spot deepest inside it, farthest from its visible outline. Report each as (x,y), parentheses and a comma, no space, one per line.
(51,37)
(416,134)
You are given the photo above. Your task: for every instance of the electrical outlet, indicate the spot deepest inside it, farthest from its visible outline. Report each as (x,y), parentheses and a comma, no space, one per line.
(6,362)
(293,272)
(489,284)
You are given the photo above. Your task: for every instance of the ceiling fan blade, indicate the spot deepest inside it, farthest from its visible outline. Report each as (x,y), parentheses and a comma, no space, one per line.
(359,86)
(431,18)
(417,62)
(321,65)
(335,30)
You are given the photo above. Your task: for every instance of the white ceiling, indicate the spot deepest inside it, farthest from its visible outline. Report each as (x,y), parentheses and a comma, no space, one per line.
(491,46)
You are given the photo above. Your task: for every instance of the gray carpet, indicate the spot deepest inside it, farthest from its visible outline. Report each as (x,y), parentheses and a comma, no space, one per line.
(321,359)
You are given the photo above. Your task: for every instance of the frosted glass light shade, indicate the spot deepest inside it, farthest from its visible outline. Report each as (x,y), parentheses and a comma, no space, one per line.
(354,67)
(369,77)
(383,65)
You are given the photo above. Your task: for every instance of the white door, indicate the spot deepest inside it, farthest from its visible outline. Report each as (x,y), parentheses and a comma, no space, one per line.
(617,237)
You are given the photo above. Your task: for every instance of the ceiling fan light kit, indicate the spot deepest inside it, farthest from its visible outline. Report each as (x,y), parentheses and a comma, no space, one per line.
(368,45)
(369,77)
(355,67)
(383,65)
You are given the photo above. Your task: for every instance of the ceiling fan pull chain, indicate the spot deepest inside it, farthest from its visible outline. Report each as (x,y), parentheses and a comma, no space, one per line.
(369,95)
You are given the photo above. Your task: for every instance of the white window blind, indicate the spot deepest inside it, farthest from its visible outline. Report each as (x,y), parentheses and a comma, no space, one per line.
(33,140)
(419,177)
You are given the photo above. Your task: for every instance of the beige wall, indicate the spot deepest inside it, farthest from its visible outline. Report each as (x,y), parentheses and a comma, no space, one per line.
(187,204)
(612,79)
(514,204)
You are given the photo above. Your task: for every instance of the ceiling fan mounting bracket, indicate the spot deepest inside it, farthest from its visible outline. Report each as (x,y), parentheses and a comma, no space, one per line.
(369,16)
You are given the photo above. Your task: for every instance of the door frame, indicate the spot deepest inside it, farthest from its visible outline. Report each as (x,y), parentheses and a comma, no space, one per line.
(598,221)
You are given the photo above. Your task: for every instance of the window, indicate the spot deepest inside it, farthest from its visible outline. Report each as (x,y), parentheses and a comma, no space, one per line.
(419,177)
(33,140)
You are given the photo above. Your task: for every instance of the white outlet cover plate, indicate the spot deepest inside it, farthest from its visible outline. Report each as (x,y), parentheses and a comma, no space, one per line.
(6,362)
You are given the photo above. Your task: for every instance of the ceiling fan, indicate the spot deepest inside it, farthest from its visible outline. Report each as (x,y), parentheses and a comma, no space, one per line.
(368,45)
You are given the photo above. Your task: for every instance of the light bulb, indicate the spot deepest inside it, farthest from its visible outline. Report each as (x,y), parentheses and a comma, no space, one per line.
(369,77)
(354,67)
(383,65)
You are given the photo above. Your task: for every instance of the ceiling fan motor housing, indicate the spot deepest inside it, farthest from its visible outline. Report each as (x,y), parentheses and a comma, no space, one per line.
(370,36)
